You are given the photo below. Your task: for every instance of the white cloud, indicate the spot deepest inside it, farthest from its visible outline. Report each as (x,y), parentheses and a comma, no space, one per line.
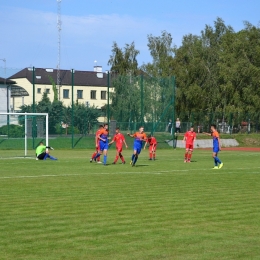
(32,37)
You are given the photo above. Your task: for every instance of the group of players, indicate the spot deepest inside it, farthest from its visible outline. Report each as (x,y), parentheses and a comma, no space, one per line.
(102,145)
(190,137)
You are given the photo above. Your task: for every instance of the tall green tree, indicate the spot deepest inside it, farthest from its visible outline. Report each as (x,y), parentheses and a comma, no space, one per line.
(161,51)
(124,61)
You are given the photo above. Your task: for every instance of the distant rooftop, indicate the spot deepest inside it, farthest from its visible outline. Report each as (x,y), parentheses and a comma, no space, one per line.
(81,78)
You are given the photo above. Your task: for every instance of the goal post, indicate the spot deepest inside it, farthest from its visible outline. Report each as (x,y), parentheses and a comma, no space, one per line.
(17,126)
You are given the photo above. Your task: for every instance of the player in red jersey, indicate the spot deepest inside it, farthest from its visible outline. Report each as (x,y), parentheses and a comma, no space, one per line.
(189,138)
(152,146)
(96,144)
(120,140)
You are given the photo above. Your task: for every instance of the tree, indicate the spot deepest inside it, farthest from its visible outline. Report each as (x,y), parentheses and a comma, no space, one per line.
(124,62)
(161,51)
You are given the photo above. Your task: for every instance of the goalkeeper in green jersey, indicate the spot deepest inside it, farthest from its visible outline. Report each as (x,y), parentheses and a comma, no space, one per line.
(42,152)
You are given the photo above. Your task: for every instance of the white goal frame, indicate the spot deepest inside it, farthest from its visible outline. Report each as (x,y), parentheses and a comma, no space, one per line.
(25,126)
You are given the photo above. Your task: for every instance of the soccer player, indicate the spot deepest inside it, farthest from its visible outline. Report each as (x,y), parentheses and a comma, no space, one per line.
(42,152)
(139,138)
(216,146)
(189,139)
(119,139)
(152,146)
(96,144)
(103,143)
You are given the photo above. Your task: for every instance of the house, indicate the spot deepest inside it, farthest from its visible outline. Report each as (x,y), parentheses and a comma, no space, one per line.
(89,87)
(4,94)
(8,92)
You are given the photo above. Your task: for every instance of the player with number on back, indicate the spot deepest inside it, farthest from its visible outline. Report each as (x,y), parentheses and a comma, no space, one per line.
(103,143)
(152,146)
(119,139)
(96,144)
(216,146)
(189,138)
(139,138)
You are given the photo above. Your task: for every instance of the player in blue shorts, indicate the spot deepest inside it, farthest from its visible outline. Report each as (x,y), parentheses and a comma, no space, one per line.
(216,147)
(103,143)
(139,138)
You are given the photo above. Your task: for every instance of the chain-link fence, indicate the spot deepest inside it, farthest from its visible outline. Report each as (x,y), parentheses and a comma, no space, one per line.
(80,101)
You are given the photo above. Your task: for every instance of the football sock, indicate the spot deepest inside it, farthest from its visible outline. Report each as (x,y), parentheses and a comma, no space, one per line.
(46,156)
(122,158)
(93,155)
(133,156)
(96,156)
(189,156)
(52,158)
(186,156)
(135,159)
(105,159)
(116,158)
(216,163)
(151,155)
(217,159)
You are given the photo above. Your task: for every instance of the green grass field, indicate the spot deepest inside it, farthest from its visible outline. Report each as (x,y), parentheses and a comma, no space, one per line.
(163,209)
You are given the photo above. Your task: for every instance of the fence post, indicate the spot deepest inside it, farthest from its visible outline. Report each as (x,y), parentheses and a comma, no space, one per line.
(33,121)
(230,123)
(108,109)
(142,99)
(174,136)
(72,108)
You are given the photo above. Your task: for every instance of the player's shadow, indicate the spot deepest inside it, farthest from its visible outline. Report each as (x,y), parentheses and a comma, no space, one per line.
(141,165)
(193,161)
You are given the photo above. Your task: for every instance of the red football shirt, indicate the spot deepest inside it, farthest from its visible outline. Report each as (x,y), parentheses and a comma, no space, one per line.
(119,139)
(190,136)
(152,140)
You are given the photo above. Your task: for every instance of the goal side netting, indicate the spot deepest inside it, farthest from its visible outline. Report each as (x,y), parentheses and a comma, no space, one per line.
(20,133)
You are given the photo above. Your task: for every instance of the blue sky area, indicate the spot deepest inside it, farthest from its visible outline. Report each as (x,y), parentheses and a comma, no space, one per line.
(29,35)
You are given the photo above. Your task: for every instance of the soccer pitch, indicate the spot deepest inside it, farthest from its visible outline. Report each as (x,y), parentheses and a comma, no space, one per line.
(163,209)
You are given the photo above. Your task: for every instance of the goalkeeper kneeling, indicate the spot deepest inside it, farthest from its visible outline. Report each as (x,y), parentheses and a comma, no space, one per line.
(42,152)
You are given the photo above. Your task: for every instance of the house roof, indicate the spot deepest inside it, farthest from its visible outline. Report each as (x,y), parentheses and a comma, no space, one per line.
(6,81)
(81,78)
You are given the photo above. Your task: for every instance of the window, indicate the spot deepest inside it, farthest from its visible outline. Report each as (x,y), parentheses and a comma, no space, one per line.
(39,90)
(93,94)
(47,90)
(79,94)
(65,93)
(103,95)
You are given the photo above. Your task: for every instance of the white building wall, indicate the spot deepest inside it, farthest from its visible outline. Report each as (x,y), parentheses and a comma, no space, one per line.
(3,99)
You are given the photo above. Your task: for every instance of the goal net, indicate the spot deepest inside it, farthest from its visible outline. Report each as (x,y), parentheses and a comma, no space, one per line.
(20,133)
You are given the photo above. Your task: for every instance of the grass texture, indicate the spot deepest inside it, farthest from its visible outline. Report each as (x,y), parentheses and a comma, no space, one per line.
(162,209)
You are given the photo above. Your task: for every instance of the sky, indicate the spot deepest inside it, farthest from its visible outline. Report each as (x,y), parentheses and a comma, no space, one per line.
(29,33)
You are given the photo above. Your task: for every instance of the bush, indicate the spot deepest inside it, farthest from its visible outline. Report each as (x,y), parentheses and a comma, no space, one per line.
(14,130)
